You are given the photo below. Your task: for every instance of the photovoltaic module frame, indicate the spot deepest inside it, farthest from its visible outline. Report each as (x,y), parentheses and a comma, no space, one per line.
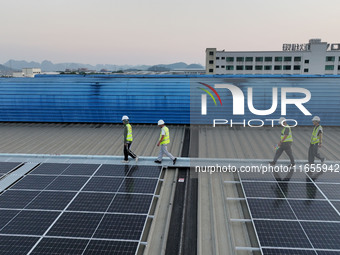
(77,209)
(294,212)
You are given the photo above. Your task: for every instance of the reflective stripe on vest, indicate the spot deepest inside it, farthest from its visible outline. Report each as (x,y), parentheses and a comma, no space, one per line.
(315,138)
(166,139)
(129,133)
(289,137)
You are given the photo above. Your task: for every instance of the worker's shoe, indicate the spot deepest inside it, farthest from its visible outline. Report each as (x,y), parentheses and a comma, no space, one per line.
(174,161)
(272,163)
(158,161)
(322,160)
(125,161)
(291,165)
(136,159)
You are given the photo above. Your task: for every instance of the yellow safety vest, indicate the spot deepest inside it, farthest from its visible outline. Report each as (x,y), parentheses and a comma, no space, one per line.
(289,137)
(166,139)
(315,138)
(129,133)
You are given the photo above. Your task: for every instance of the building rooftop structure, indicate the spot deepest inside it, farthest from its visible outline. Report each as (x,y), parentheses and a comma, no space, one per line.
(198,206)
(314,57)
(223,220)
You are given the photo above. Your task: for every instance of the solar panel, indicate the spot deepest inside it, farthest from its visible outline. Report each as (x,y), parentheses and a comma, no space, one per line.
(6,167)
(131,203)
(29,223)
(17,198)
(281,234)
(16,244)
(295,214)
(332,191)
(323,235)
(60,246)
(73,224)
(104,184)
(80,208)
(288,252)
(113,170)
(270,209)
(51,200)
(91,202)
(121,226)
(50,168)
(80,169)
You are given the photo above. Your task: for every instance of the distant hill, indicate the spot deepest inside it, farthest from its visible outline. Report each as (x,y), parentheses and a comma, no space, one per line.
(179,65)
(4,70)
(48,66)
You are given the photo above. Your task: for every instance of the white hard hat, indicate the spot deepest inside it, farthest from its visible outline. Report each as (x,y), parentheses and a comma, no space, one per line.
(281,120)
(161,122)
(125,117)
(316,118)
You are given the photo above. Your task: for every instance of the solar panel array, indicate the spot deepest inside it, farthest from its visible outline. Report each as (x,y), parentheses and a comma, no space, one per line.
(77,209)
(6,167)
(294,212)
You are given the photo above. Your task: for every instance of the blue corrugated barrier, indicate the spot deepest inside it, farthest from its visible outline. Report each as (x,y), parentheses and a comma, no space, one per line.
(146,99)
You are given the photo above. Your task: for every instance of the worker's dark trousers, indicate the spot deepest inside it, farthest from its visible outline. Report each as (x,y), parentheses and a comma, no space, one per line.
(287,147)
(313,153)
(128,152)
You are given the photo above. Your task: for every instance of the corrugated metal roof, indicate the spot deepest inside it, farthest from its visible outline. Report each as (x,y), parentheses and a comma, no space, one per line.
(222,220)
(84,139)
(176,99)
(258,143)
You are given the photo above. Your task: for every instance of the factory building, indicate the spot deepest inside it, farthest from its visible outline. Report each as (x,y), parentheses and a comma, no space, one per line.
(312,58)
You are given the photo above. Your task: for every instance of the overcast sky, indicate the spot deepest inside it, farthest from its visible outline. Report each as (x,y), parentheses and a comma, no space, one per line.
(157,31)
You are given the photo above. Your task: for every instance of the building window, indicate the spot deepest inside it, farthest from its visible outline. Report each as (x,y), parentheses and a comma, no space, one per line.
(305,70)
(259,59)
(297,67)
(240,59)
(230,59)
(338,68)
(268,59)
(267,67)
(249,67)
(277,67)
(330,59)
(217,66)
(287,67)
(229,67)
(306,61)
(239,68)
(329,67)
(211,53)
(211,70)
(222,66)
(258,67)
(211,62)
(297,59)
(278,59)
(223,58)
(249,59)
(287,59)
(217,58)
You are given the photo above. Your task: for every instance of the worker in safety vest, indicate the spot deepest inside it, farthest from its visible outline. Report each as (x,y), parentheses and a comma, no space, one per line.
(128,140)
(315,142)
(285,143)
(164,140)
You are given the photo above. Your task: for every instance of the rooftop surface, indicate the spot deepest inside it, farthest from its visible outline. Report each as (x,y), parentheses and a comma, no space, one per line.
(106,139)
(224,225)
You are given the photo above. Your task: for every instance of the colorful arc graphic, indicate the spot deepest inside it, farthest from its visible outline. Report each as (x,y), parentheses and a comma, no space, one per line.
(213,90)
